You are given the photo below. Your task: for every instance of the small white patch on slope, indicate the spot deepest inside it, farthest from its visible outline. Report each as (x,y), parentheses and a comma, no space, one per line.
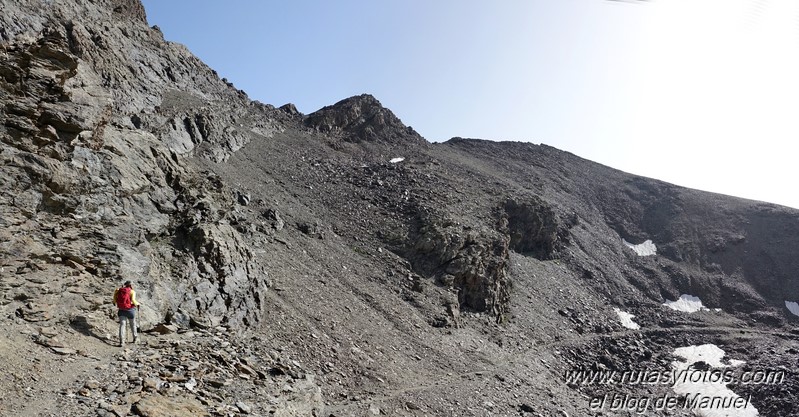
(395,160)
(626,319)
(736,362)
(686,303)
(647,248)
(793,307)
(712,355)
(708,353)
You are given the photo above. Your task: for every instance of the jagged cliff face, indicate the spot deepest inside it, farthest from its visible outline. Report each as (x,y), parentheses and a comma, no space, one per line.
(99,119)
(125,157)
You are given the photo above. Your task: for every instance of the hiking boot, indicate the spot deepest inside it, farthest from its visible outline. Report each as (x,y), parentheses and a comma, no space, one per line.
(135,340)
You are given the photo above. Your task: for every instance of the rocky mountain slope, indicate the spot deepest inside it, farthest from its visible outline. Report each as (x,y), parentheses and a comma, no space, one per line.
(337,263)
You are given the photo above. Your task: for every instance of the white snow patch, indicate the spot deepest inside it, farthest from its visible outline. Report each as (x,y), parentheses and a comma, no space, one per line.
(710,383)
(396,160)
(793,307)
(708,353)
(736,362)
(647,248)
(626,319)
(686,303)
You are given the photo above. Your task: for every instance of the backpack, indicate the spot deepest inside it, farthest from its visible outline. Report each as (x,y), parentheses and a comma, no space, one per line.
(124,299)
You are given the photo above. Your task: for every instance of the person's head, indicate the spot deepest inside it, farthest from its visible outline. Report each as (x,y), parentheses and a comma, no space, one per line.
(128,284)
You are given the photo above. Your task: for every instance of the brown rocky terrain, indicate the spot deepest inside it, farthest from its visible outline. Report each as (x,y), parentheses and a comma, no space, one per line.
(337,263)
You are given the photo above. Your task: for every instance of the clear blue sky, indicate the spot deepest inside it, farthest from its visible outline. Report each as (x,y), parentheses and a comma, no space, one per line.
(701,93)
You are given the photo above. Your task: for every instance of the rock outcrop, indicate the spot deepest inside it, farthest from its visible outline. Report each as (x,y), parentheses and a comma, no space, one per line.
(472,261)
(92,169)
(407,278)
(533,227)
(362,118)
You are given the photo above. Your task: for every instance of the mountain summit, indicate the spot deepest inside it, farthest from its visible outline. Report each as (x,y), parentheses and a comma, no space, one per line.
(361,118)
(337,263)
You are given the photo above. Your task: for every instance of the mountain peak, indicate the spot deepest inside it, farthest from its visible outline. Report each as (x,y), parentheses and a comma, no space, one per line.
(269,247)
(362,118)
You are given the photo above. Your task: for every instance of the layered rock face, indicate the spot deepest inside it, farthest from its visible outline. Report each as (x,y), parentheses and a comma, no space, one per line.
(95,123)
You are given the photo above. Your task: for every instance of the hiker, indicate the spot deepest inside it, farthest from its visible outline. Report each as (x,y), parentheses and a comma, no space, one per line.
(125,300)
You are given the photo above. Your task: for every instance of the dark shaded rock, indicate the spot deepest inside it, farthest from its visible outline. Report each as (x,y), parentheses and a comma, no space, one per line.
(273,216)
(362,118)
(532,226)
(311,229)
(243,198)
(474,261)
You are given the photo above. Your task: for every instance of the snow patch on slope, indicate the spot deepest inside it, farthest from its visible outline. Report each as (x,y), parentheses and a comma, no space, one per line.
(686,303)
(793,307)
(647,248)
(626,319)
(707,385)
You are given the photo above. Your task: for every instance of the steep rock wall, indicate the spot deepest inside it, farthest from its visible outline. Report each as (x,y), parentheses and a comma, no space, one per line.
(93,184)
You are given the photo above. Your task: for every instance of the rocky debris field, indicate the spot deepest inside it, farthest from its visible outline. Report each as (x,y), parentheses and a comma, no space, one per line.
(169,372)
(336,263)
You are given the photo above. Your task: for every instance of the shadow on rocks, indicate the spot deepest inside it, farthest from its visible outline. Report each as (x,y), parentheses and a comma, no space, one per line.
(81,324)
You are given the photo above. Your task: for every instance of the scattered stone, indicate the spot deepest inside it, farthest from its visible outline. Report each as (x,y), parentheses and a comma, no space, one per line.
(216,383)
(35,312)
(64,351)
(274,219)
(48,331)
(163,329)
(160,406)
(151,383)
(211,395)
(244,408)
(105,405)
(243,198)
(311,229)
(246,369)
(101,412)
(412,406)
(191,384)
(177,379)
